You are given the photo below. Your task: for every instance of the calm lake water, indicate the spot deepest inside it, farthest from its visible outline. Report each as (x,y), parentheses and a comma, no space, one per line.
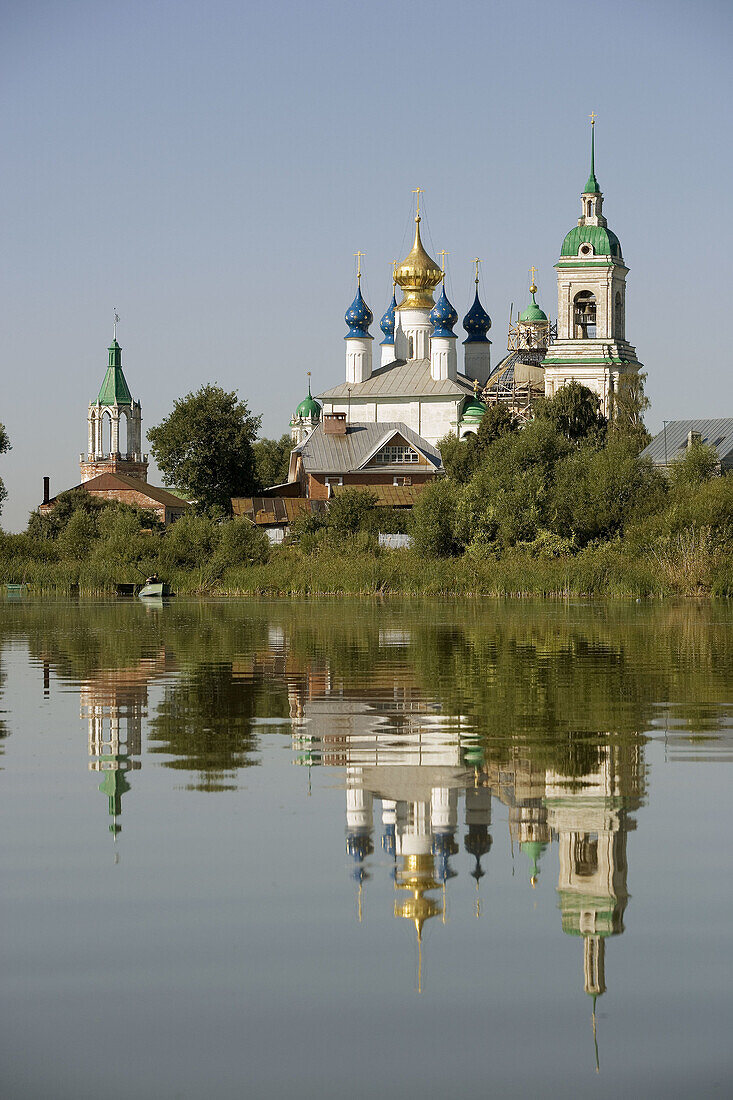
(343,848)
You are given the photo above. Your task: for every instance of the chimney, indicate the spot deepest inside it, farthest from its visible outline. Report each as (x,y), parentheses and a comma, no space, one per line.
(46,490)
(693,438)
(334,424)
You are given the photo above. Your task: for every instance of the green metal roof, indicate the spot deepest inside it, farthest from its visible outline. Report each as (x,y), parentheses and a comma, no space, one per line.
(309,406)
(115,390)
(603,241)
(474,410)
(533,312)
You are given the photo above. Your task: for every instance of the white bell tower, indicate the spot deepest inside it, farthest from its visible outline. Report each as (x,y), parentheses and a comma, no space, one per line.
(591,346)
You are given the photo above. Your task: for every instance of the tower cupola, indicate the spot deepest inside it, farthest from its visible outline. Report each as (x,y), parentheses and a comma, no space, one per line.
(443,316)
(306,416)
(443,359)
(477,354)
(114,425)
(358,316)
(358,340)
(387,325)
(418,274)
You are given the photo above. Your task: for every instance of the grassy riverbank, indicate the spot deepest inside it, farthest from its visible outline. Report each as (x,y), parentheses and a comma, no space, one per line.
(689,565)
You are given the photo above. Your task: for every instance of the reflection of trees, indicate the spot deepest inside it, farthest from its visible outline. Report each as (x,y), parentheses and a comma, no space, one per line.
(205,723)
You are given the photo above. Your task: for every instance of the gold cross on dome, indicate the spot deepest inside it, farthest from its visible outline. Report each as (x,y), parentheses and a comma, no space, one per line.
(443,253)
(477,262)
(394,272)
(418,191)
(358,264)
(593,117)
(532,273)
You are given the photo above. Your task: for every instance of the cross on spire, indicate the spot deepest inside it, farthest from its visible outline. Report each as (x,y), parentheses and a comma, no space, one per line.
(443,253)
(477,262)
(358,265)
(116,322)
(532,288)
(394,273)
(418,191)
(593,117)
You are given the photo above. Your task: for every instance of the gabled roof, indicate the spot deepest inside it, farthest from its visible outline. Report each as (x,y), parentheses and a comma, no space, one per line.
(341,454)
(671,443)
(105,483)
(402,378)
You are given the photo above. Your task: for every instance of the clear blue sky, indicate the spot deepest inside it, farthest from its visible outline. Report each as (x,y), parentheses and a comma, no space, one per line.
(210,169)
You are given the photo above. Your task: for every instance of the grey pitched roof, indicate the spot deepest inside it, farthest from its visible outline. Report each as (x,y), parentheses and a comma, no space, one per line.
(671,442)
(402,379)
(346,453)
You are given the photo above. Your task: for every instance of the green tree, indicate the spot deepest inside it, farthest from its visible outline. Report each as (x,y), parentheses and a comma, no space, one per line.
(272,458)
(4,446)
(498,420)
(628,405)
(597,491)
(575,411)
(351,511)
(433,518)
(460,456)
(204,446)
(698,464)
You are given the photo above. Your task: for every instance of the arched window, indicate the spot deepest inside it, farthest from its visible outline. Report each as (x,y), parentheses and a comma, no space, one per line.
(410,347)
(584,316)
(124,439)
(105,434)
(590,208)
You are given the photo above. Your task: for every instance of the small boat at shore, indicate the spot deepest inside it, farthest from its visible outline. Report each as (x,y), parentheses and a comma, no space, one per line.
(156,590)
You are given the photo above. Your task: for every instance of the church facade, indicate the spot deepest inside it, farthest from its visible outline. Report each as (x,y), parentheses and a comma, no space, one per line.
(422,382)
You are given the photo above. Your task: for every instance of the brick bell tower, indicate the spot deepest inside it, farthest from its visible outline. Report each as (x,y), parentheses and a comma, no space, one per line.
(115,426)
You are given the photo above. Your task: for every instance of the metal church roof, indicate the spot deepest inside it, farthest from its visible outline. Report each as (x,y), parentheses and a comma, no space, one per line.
(671,442)
(403,378)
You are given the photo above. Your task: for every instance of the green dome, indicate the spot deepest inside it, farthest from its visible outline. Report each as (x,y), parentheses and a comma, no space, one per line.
(474,410)
(309,407)
(603,241)
(533,313)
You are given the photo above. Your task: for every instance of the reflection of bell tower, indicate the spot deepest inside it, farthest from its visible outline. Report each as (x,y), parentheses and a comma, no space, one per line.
(114,713)
(477,841)
(589,815)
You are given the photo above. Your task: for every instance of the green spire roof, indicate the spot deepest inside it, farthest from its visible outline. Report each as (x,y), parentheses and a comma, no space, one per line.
(309,406)
(591,187)
(115,390)
(533,312)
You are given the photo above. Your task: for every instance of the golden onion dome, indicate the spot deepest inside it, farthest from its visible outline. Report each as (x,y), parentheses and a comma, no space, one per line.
(418,275)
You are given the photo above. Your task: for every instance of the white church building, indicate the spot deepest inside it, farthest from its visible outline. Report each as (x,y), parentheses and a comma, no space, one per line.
(422,382)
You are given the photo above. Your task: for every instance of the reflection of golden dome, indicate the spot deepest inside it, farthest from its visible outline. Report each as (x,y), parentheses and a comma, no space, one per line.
(417,877)
(418,276)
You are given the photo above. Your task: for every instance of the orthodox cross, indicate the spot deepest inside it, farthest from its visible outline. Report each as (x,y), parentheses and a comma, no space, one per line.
(593,117)
(114,329)
(358,265)
(418,191)
(394,273)
(444,254)
(533,288)
(477,262)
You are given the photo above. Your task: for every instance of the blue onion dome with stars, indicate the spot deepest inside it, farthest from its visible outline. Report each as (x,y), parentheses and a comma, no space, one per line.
(476,323)
(443,316)
(358,316)
(387,323)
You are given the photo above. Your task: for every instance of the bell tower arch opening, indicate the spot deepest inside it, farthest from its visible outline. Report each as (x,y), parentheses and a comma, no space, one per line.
(584,316)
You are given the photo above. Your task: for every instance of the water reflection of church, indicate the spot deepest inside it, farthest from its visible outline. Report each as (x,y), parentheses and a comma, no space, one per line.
(114,703)
(418,785)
